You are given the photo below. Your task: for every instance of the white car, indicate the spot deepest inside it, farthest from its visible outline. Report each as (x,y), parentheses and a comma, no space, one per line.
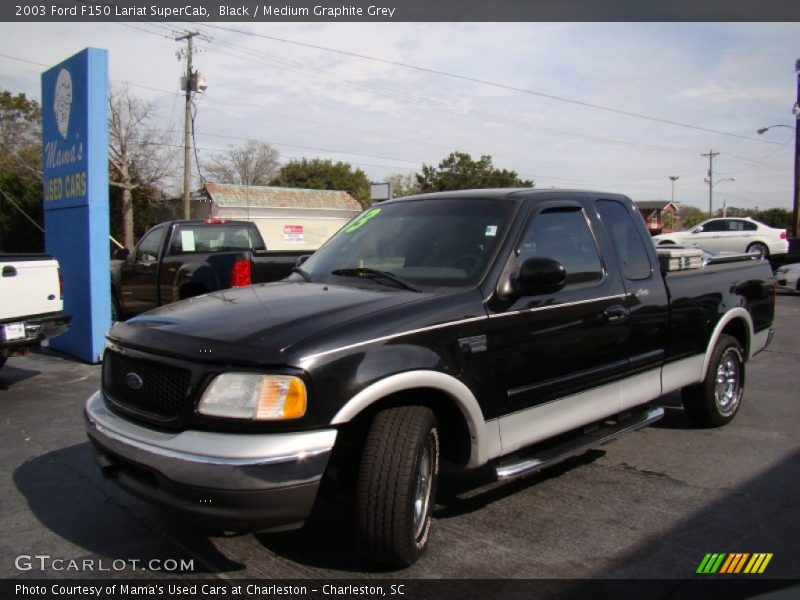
(788,278)
(730,235)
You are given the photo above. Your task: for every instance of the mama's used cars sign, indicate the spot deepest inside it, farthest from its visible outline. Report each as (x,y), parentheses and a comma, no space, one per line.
(75,193)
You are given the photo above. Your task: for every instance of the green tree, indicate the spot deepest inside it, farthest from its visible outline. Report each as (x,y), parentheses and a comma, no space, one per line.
(775,217)
(318,174)
(690,216)
(460,172)
(20,174)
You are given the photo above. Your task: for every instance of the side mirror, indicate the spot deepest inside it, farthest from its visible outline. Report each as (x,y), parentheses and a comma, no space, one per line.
(301,259)
(121,254)
(540,276)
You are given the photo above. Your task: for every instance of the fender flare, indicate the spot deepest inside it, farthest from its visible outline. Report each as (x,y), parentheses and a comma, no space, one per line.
(484,436)
(731,315)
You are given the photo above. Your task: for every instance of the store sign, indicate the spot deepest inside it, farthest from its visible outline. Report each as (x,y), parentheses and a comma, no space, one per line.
(292,233)
(75,192)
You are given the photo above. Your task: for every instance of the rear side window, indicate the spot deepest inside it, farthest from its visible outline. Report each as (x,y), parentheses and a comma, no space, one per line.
(189,238)
(627,240)
(564,235)
(716,226)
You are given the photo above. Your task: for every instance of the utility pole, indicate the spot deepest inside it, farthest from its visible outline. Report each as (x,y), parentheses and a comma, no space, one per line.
(796,203)
(187,123)
(710,180)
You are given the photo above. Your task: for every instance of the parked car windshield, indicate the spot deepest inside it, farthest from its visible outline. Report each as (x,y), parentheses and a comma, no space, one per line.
(443,242)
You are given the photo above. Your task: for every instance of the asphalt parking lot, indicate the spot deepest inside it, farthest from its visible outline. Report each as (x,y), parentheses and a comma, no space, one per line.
(649,505)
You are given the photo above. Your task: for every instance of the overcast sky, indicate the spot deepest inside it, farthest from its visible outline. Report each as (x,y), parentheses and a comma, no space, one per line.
(383,118)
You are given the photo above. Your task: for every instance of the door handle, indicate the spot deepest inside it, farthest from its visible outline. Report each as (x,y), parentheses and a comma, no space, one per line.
(616,313)
(9,271)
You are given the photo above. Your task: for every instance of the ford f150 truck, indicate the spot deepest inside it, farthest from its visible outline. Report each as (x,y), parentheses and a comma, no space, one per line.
(180,259)
(31,302)
(508,328)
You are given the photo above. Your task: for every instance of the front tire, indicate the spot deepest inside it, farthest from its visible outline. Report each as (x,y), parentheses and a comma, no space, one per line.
(396,485)
(716,400)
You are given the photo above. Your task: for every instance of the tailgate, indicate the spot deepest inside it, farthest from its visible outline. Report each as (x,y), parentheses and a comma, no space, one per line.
(28,286)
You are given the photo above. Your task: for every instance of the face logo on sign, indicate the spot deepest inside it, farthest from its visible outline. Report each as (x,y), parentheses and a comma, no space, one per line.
(62,105)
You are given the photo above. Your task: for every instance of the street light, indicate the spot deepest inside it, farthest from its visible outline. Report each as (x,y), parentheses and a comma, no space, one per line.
(764,130)
(711,186)
(673,179)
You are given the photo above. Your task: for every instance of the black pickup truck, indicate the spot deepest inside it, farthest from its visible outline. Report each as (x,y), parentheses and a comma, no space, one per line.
(508,328)
(180,259)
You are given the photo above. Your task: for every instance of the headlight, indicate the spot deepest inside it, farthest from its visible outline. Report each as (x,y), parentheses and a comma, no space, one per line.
(254,396)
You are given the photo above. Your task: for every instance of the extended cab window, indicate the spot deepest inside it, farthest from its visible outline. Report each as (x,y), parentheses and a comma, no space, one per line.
(627,241)
(564,235)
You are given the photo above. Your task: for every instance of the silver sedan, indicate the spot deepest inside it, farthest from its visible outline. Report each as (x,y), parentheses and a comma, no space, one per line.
(788,278)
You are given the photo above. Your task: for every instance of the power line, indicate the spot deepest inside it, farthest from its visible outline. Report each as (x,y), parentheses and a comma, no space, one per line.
(118,81)
(489,83)
(442,106)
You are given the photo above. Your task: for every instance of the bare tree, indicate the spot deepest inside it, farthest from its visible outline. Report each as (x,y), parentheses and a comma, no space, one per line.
(253,163)
(140,157)
(403,185)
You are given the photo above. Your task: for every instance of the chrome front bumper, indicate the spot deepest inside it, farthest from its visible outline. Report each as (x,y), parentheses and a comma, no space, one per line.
(229,480)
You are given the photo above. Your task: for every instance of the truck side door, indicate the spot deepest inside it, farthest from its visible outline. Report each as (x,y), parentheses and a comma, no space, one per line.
(560,344)
(139,274)
(646,301)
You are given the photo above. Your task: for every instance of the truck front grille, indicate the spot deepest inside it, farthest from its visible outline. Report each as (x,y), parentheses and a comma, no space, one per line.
(145,385)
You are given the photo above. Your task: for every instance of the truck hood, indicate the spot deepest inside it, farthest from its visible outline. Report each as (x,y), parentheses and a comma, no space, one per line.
(256,324)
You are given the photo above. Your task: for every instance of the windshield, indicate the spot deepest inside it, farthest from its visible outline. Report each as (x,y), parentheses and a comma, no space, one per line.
(428,242)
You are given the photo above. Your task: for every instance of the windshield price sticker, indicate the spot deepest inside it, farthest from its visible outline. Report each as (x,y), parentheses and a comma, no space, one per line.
(362,220)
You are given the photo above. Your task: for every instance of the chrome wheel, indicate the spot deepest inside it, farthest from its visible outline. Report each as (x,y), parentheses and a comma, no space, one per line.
(728,387)
(758,248)
(422,499)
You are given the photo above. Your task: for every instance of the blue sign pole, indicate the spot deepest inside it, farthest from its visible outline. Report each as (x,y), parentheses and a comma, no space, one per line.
(75,172)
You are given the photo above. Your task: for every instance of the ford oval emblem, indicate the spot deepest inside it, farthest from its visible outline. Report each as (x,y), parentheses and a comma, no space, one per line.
(134,381)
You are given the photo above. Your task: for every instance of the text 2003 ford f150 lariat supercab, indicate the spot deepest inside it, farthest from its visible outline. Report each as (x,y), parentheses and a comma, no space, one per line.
(497,327)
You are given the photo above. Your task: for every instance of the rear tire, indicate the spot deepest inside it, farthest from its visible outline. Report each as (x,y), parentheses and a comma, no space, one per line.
(758,248)
(397,485)
(3,361)
(716,400)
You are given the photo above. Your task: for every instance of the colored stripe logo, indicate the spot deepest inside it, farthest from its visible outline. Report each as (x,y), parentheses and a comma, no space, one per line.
(734,563)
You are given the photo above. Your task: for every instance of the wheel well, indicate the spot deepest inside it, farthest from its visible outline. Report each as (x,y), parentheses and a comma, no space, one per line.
(759,243)
(738,329)
(666,243)
(189,290)
(454,436)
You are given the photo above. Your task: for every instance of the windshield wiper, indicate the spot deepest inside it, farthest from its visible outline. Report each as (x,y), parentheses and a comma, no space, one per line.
(375,274)
(302,273)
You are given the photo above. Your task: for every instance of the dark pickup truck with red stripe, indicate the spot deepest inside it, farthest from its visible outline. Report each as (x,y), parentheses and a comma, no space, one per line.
(181,259)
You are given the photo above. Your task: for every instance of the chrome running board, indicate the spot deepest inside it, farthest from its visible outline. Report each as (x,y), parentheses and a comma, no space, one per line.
(560,452)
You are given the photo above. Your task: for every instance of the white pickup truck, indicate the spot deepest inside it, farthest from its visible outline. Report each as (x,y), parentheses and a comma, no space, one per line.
(31,302)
